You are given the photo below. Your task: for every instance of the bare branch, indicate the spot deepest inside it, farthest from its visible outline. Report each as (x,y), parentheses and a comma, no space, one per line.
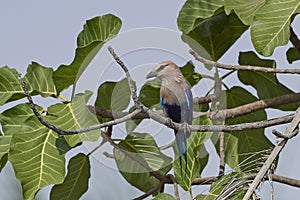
(131,83)
(175,186)
(114,114)
(257,105)
(243,67)
(277,149)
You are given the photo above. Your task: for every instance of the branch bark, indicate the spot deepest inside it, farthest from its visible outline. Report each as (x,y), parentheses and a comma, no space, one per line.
(243,67)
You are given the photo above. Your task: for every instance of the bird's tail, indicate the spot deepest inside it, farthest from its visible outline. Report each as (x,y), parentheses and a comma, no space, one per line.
(181,138)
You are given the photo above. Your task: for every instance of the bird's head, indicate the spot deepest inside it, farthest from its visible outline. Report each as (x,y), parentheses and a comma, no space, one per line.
(164,70)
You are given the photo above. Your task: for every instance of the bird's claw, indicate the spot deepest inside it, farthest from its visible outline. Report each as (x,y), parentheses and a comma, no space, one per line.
(185,128)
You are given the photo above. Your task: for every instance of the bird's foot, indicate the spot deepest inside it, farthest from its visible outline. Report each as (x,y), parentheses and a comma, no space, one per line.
(185,128)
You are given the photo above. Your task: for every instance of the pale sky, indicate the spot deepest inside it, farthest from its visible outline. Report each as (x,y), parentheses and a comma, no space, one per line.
(46,31)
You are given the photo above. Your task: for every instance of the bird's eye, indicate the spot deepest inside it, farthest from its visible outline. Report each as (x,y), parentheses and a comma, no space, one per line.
(161,67)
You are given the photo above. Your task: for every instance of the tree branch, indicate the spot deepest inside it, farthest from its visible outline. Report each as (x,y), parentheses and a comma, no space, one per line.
(77,131)
(257,105)
(131,83)
(243,67)
(277,149)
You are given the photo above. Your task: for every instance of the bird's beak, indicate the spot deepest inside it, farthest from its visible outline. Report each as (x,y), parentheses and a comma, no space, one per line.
(151,75)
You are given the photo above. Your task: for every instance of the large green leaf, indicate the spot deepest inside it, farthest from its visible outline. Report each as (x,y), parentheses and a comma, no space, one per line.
(4,148)
(142,146)
(12,119)
(237,144)
(38,79)
(75,115)
(9,84)
(197,156)
(271,25)
(149,94)
(95,33)
(194,12)
(245,10)
(216,34)
(292,55)
(76,181)
(264,83)
(35,158)
(188,71)
(114,96)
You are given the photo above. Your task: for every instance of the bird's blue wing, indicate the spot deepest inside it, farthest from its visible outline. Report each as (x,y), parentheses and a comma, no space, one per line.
(188,110)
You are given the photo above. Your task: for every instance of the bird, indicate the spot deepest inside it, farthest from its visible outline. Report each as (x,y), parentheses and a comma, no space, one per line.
(176,101)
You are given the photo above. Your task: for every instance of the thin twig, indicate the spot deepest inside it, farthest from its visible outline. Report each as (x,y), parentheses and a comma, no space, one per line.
(243,67)
(277,149)
(131,83)
(175,186)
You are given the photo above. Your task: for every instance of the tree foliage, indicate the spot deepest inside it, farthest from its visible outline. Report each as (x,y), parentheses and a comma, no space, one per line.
(37,153)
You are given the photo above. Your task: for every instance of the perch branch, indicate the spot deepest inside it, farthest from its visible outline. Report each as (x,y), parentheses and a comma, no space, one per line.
(277,149)
(243,67)
(159,118)
(227,113)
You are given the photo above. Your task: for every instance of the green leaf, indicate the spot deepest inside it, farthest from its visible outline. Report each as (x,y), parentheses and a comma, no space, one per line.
(245,10)
(188,71)
(4,148)
(95,33)
(35,158)
(194,12)
(238,144)
(132,124)
(264,83)
(9,84)
(40,80)
(271,25)
(216,34)
(114,96)
(12,119)
(163,196)
(142,146)
(149,94)
(75,115)
(292,55)
(197,156)
(76,181)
